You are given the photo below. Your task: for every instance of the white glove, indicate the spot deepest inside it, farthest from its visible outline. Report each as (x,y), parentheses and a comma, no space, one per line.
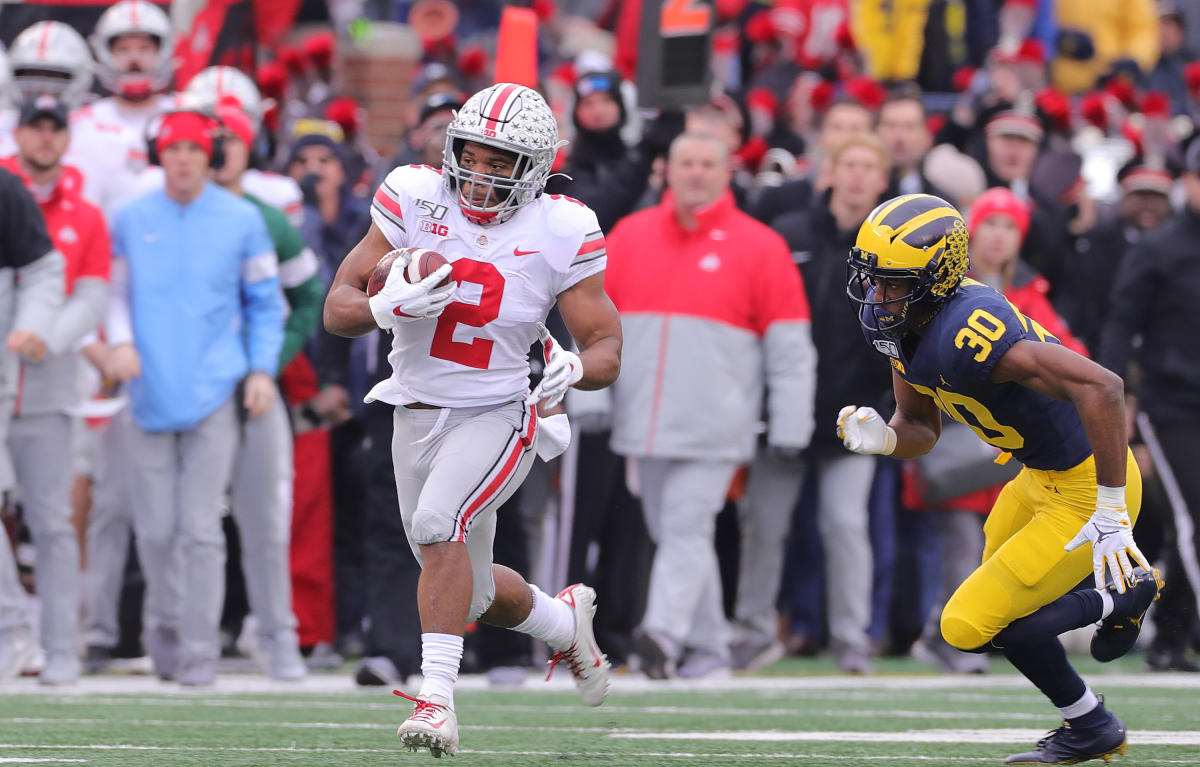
(563,370)
(400,301)
(1111,535)
(864,431)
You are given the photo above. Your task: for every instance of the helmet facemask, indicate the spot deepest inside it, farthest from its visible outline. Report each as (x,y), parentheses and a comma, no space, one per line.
(505,193)
(49,80)
(135,83)
(916,306)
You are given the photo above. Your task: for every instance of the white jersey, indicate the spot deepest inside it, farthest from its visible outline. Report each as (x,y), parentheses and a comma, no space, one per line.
(279,192)
(509,275)
(108,145)
(276,190)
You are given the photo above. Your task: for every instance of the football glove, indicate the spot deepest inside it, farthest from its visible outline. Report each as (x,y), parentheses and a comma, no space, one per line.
(402,301)
(563,370)
(864,431)
(1111,534)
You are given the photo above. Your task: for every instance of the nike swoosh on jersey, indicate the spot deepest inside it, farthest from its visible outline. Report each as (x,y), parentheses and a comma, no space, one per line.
(519,252)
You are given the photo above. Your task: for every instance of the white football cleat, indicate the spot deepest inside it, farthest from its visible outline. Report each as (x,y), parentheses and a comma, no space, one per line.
(588,665)
(433,725)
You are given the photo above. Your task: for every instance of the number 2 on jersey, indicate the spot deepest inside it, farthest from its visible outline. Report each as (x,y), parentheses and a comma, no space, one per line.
(476,353)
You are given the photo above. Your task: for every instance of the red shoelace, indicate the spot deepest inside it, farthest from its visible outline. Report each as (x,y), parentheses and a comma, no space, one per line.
(425,710)
(571,656)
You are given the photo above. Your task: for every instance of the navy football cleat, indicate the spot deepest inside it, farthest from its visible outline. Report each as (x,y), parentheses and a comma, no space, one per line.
(1069,745)
(1119,631)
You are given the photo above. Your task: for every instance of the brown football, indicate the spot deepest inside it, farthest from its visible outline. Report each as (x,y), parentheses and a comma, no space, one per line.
(421,264)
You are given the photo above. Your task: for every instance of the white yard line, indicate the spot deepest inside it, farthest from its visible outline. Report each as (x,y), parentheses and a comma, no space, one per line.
(579,710)
(1137,737)
(818,757)
(642,755)
(29,760)
(380,726)
(881,714)
(325,684)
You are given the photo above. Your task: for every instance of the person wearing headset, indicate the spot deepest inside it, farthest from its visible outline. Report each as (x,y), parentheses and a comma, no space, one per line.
(196,325)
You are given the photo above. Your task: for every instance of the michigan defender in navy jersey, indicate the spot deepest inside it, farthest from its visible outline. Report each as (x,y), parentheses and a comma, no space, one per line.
(957,346)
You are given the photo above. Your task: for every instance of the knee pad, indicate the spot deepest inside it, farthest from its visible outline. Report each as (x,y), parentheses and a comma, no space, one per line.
(431,526)
(961,633)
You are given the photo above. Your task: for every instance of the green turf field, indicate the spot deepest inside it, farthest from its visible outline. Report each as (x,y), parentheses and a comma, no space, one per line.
(799,713)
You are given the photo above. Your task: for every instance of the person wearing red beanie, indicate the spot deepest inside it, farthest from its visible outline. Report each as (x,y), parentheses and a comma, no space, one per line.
(998,201)
(185,177)
(997,224)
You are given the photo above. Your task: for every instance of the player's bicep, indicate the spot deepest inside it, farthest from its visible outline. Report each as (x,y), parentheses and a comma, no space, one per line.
(1049,369)
(914,407)
(588,312)
(355,269)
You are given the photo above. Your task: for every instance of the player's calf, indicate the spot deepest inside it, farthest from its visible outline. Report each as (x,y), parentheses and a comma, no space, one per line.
(1119,631)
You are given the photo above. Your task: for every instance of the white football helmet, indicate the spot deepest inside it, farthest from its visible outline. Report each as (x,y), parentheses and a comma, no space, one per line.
(133,17)
(51,57)
(512,118)
(211,85)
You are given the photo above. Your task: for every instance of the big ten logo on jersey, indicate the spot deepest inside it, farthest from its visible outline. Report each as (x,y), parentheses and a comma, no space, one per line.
(431,213)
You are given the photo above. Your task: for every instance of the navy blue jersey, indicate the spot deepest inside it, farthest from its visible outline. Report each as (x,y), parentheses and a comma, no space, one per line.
(952,362)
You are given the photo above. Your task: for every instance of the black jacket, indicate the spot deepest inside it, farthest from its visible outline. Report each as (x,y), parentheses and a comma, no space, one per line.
(773,202)
(1085,281)
(1156,294)
(849,371)
(605,175)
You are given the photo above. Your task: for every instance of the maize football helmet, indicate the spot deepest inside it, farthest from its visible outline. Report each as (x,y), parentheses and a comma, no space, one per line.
(919,238)
(511,118)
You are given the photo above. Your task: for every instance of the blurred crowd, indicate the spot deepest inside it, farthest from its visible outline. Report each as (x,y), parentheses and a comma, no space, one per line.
(1064,130)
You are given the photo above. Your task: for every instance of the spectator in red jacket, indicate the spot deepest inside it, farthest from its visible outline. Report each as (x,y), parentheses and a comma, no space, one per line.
(714,313)
(998,223)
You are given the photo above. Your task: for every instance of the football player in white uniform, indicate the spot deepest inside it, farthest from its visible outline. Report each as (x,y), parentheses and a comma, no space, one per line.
(213,85)
(466,425)
(46,57)
(133,44)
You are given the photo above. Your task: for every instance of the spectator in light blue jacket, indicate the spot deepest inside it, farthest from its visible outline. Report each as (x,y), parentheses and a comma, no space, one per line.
(197,326)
